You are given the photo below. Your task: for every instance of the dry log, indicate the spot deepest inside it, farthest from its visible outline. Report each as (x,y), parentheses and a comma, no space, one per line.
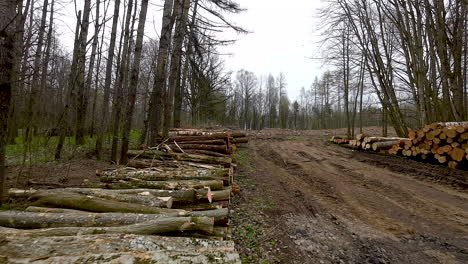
(37,209)
(202,142)
(220,215)
(384,145)
(133,183)
(240,140)
(180,157)
(160,174)
(453,164)
(206,152)
(178,196)
(163,202)
(116,248)
(43,218)
(61,199)
(222,195)
(203,206)
(457,154)
(148,163)
(441,158)
(214,148)
(152,227)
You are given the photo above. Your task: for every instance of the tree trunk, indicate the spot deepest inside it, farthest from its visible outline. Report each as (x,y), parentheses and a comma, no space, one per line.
(31,105)
(134,79)
(89,77)
(120,84)
(7,56)
(181,10)
(107,83)
(81,95)
(159,86)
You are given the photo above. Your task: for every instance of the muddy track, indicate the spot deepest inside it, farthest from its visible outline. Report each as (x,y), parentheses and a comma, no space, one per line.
(334,205)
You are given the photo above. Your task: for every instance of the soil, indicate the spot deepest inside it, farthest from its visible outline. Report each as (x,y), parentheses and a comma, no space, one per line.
(303,200)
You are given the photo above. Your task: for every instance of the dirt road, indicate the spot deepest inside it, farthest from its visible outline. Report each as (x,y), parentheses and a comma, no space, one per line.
(305,201)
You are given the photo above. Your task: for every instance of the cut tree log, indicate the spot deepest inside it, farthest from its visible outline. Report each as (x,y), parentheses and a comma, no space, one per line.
(152,227)
(180,157)
(178,196)
(73,218)
(37,209)
(457,154)
(69,200)
(160,174)
(202,142)
(384,145)
(206,152)
(132,183)
(152,201)
(220,215)
(214,148)
(116,248)
(240,140)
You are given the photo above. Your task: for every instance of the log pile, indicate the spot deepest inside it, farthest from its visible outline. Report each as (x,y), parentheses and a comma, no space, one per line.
(442,143)
(447,143)
(164,190)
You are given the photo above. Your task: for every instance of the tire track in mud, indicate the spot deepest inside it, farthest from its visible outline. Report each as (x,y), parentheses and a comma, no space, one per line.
(342,186)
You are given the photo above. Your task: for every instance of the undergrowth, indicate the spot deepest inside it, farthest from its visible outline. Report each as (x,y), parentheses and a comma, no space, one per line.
(41,149)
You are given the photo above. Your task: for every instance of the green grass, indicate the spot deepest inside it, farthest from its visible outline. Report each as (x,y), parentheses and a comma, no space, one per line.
(42,149)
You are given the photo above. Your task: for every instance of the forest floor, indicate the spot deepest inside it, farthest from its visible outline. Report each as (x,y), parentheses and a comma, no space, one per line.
(306,201)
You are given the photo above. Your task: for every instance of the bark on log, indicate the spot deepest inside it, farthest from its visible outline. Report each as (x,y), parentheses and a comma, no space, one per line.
(202,142)
(240,140)
(148,163)
(116,248)
(132,183)
(37,209)
(69,200)
(178,196)
(152,227)
(152,201)
(158,174)
(220,216)
(383,145)
(206,152)
(180,157)
(214,148)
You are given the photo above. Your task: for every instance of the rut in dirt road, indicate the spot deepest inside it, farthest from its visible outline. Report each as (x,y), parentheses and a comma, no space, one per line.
(330,207)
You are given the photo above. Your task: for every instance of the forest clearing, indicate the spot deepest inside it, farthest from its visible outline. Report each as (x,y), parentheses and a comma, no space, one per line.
(233,131)
(298,198)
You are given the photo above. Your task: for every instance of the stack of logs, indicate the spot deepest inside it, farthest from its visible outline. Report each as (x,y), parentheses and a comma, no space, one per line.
(445,143)
(179,190)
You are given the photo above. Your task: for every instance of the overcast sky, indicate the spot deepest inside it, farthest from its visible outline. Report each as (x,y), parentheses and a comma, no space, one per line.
(283,37)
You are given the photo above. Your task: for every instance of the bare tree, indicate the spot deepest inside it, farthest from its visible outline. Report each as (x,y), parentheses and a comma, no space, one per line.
(7,57)
(134,79)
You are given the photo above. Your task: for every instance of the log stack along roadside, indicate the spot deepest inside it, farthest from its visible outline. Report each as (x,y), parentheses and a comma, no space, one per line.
(174,197)
(440,143)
